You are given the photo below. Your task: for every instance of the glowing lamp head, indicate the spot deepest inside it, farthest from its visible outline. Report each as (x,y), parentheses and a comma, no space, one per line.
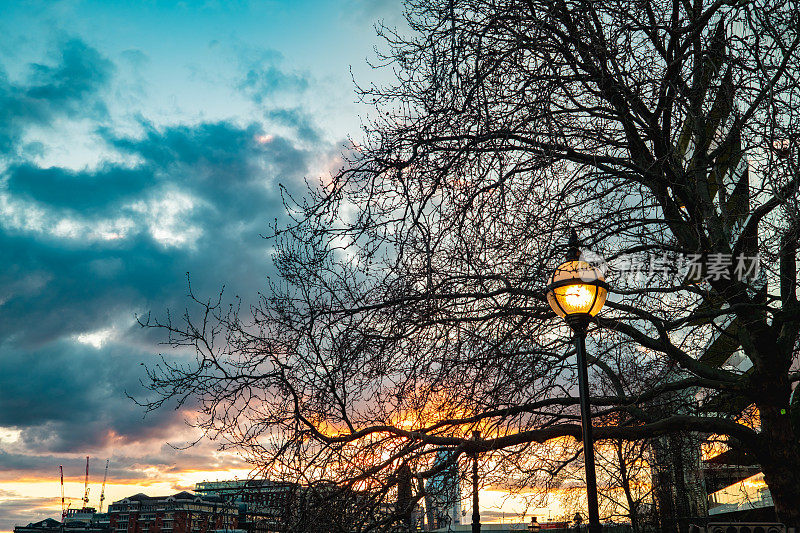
(577,290)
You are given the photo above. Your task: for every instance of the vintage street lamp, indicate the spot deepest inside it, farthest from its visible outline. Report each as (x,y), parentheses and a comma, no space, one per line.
(534,526)
(576,292)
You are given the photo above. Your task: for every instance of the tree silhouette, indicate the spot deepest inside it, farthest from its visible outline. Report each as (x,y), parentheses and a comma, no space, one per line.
(409,310)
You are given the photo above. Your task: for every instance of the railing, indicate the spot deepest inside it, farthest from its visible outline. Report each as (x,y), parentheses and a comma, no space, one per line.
(742,527)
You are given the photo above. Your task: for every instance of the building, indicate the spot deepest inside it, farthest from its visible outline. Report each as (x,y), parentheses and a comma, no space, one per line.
(94,524)
(183,512)
(443,495)
(737,490)
(267,506)
(48,525)
(263,505)
(85,517)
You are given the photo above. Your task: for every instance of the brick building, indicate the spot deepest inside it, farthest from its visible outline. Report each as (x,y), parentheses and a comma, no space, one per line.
(180,513)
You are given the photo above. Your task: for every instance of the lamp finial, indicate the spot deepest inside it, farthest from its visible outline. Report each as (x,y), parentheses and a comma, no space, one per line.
(574,252)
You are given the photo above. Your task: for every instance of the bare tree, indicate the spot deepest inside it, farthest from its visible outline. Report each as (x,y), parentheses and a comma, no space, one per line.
(410,305)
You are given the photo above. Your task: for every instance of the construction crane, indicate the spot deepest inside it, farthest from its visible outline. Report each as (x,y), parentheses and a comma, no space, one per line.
(63,509)
(86,485)
(64,506)
(103,490)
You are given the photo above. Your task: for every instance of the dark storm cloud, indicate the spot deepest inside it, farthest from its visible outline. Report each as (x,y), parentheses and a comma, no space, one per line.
(66,396)
(68,86)
(70,397)
(81,190)
(221,162)
(54,289)
(78,74)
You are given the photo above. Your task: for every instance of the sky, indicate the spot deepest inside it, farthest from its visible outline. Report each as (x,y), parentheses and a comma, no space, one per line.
(139,142)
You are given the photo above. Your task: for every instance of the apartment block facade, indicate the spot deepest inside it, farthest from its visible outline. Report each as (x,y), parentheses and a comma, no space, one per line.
(183,512)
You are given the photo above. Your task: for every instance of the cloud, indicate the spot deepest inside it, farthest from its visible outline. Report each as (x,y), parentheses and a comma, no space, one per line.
(67,87)
(156,465)
(52,288)
(66,393)
(84,250)
(80,71)
(85,191)
(135,57)
(264,77)
(162,466)
(297,120)
(84,247)
(15,510)
(220,161)
(69,396)
(389,12)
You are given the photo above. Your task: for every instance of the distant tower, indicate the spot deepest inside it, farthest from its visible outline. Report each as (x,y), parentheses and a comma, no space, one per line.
(443,495)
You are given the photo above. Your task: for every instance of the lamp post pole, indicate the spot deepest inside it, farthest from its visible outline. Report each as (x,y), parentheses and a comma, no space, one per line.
(576,292)
(476,513)
(579,328)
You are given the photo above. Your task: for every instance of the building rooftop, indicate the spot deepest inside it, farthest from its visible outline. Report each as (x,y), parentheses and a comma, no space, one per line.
(47,522)
(179,496)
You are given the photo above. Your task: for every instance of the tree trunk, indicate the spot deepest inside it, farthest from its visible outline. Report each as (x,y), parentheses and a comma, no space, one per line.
(779,455)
